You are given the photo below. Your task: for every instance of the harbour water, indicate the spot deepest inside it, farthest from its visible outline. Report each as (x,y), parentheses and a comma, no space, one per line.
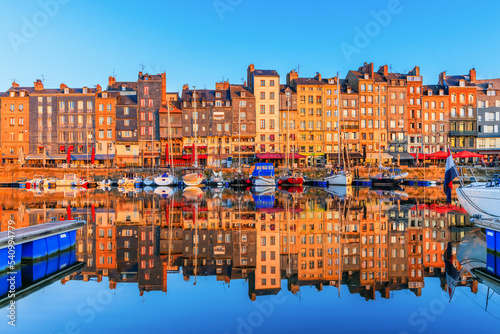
(265,261)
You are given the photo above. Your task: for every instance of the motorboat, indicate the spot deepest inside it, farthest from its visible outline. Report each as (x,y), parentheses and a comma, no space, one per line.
(339,178)
(217,179)
(105,183)
(130,180)
(481,198)
(291,180)
(71,180)
(263,175)
(193,179)
(149,181)
(339,191)
(387,178)
(164,179)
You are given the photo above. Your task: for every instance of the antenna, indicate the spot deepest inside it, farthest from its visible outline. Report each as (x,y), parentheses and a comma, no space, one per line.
(142,67)
(113,72)
(13,80)
(43,79)
(242,80)
(390,68)
(298,69)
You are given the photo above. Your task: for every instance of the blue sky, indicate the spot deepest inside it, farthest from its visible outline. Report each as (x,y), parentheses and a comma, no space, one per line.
(203,41)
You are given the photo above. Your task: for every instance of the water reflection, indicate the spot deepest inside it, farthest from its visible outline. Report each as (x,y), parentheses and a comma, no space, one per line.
(360,242)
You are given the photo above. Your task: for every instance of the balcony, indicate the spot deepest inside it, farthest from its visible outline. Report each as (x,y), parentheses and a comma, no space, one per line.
(349,127)
(463,133)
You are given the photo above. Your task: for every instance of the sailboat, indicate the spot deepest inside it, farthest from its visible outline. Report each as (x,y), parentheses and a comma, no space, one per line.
(387,177)
(481,198)
(167,178)
(340,177)
(290,178)
(195,177)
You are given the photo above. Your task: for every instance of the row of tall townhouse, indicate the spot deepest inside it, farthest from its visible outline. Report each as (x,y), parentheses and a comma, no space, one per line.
(129,121)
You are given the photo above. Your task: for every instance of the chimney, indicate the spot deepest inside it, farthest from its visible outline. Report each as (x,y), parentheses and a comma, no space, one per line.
(472,75)
(111,81)
(226,84)
(38,85)
(62,86)
(383,70)
(98,88)
(370,67)
(416,71)
(291,76)
(15,84)
(219,86)
(442,77)
(250,70)
(163,88)
(185,87)
(317,76)
(140,74)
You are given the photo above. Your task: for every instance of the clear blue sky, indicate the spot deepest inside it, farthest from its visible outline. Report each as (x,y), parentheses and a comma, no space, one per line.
(196,42)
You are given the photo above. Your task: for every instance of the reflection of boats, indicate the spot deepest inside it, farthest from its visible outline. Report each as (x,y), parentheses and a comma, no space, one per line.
(263,175)
(481,198)
(263,197)
(164,191)
(105,183)
(292,189)
(192,193)
(339,191)
(130,190)
(148,189)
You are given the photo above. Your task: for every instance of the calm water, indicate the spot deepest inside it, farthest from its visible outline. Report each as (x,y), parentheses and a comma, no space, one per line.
(270,262)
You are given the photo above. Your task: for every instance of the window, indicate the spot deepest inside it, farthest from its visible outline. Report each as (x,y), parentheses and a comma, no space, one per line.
(271,95)
(146,90)
(109,133)
(262,82)
(150,102)
(262,109)
(262,123)
(101,134)
(271,109)
(143,102)
(262,95)
(271,83)
(125,111)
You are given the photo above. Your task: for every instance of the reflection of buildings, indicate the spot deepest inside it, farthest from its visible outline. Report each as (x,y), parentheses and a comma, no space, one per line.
(366,243)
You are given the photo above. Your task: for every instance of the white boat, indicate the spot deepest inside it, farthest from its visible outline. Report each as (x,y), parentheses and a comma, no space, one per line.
(263,175)
(71,180)
(193,179)
(340,178)
(164,179)
(149,181)
(130,180)
(217,179)
(481,198)
(105,183)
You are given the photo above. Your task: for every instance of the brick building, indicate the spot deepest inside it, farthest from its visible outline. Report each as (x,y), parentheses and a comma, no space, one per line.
(488,117)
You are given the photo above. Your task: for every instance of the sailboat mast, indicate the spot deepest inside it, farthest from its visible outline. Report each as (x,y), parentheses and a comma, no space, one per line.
(239,135)
(379,125)
(338,120)
(195,116)
(287,129)
(170,158)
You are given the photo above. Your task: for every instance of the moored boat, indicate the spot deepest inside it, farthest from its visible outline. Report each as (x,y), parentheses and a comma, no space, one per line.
(340,178)
(263,175)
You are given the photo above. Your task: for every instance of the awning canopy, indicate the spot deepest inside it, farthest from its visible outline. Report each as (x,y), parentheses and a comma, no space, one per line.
(467,154)
(278,156)
(438,155)
(104,156)
(374,156)
(402,155)
(355,155)
(47,157)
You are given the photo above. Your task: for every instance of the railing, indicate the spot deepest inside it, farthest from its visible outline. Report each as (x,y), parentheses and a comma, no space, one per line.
(463,133)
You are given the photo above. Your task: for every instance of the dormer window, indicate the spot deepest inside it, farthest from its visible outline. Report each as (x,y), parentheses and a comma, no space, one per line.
(348,90)
(461,83)
(430,93)
(105,95)
(366,76)
(217,95)
(123,88)
(242,94)
(21,94)
(85,91)
(66,90)
(441,92)
(12,94)
(490,85)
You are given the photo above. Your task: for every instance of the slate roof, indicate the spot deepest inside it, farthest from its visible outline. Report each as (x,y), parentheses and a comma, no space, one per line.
(205,95)
(127,100)
(452,80)
(267,73)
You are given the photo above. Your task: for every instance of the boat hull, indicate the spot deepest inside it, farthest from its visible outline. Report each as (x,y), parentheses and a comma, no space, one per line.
(385,183)
(192,179)
(164,181)
(291,182)
(261,181)
(339,179)
(477,199)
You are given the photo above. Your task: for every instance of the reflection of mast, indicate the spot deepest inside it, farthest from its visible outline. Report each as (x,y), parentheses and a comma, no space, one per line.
(195,212)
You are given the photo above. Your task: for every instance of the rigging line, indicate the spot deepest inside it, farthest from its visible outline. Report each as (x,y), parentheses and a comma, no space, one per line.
(494,316)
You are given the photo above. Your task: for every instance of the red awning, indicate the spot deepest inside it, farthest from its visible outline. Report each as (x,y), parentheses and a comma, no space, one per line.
(438,155)
(268,156)
(467,154)
(420,156)
(271,137)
